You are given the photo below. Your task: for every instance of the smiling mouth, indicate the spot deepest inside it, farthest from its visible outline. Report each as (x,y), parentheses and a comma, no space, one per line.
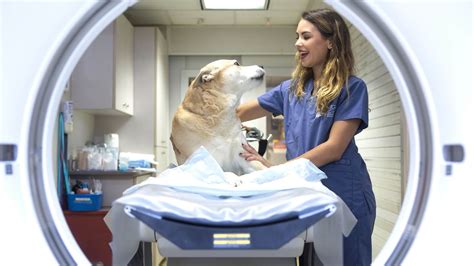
(259,76)
(303,55)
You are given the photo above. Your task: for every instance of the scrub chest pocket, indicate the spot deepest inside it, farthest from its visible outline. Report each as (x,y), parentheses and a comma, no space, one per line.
(304,124)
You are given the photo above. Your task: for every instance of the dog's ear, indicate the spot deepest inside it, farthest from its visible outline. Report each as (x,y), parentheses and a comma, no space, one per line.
(206,77)
(203,77)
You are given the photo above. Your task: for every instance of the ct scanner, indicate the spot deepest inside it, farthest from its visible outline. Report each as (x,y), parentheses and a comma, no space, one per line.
(426,45)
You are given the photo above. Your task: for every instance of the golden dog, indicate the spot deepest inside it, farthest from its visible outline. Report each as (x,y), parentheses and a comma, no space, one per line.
(207,116)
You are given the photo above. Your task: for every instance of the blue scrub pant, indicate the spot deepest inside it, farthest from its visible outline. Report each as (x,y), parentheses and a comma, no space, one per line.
(358,246)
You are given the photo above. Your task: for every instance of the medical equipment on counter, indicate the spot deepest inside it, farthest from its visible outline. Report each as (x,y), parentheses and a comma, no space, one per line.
(195,210)
(112,140)
(111,158)
(137,161)
(254,134)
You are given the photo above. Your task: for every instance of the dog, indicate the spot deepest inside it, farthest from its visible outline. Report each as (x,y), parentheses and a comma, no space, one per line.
(207,115)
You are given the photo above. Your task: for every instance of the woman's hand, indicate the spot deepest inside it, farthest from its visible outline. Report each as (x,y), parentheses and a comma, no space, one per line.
(250,154)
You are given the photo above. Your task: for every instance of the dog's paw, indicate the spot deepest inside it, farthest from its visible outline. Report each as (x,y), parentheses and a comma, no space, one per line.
(232,179)
(248,167)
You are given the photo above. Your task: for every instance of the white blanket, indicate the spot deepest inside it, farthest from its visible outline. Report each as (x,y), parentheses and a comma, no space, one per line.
(199,189)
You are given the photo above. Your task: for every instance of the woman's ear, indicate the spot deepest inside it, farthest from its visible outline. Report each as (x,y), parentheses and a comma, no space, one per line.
(329,45)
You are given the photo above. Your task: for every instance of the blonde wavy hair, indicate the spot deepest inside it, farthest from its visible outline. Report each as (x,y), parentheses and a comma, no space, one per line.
(339,63)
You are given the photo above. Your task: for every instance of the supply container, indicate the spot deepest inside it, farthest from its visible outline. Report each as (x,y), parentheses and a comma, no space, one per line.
(84,202)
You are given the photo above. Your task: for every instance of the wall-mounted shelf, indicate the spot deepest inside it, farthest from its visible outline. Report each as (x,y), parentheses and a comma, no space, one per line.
(105,174)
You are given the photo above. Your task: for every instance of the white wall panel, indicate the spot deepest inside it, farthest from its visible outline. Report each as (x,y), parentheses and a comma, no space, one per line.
(381,143)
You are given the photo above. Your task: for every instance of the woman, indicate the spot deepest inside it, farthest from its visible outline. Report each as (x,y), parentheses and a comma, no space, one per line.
(324,107)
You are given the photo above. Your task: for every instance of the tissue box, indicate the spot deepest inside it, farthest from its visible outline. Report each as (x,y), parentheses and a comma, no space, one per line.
(84,202)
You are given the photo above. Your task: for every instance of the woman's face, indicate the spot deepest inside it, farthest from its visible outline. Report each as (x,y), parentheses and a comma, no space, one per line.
(311,45)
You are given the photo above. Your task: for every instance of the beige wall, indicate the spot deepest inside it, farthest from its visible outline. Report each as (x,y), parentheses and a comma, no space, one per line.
(83,130)
(83,127)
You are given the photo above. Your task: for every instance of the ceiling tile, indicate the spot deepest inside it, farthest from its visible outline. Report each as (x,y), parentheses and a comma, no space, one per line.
(208,17)
(260,17)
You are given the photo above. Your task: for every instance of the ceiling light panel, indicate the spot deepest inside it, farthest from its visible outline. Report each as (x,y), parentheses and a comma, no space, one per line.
(234,4)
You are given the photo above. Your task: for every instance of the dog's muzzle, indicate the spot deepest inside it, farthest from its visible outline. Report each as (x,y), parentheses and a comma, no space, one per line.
(260,75)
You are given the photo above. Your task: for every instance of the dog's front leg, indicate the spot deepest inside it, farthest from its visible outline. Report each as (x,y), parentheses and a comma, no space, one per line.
(248,167)
(257,165)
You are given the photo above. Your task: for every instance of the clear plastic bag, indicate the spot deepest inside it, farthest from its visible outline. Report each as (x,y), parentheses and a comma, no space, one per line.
(94,159)
(109,160)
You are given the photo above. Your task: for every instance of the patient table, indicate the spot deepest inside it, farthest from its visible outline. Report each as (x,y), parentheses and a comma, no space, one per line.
(197,218)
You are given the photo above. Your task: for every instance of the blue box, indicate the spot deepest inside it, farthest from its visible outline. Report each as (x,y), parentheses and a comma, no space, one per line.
(84,202)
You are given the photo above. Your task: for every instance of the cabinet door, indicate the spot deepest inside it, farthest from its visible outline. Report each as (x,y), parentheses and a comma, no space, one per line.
(162,91)
(92,80)
(161,154)
(91,234)
(123,65)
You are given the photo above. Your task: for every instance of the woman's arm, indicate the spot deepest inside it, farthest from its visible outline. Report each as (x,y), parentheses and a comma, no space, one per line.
(331,150)
(251,110)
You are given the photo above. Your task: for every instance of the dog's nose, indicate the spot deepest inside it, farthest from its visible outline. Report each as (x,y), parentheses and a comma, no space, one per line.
(261,67)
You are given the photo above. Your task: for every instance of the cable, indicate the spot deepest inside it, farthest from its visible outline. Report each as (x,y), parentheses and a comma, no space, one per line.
(59,154)
(62,162)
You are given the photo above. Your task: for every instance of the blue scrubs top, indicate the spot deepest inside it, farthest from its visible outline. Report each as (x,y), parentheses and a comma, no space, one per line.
(306,129)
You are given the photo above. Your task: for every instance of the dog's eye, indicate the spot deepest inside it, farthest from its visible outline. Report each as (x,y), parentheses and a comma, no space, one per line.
(236,63)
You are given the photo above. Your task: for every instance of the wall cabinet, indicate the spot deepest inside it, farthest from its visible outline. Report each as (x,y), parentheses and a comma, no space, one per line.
(102,82)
